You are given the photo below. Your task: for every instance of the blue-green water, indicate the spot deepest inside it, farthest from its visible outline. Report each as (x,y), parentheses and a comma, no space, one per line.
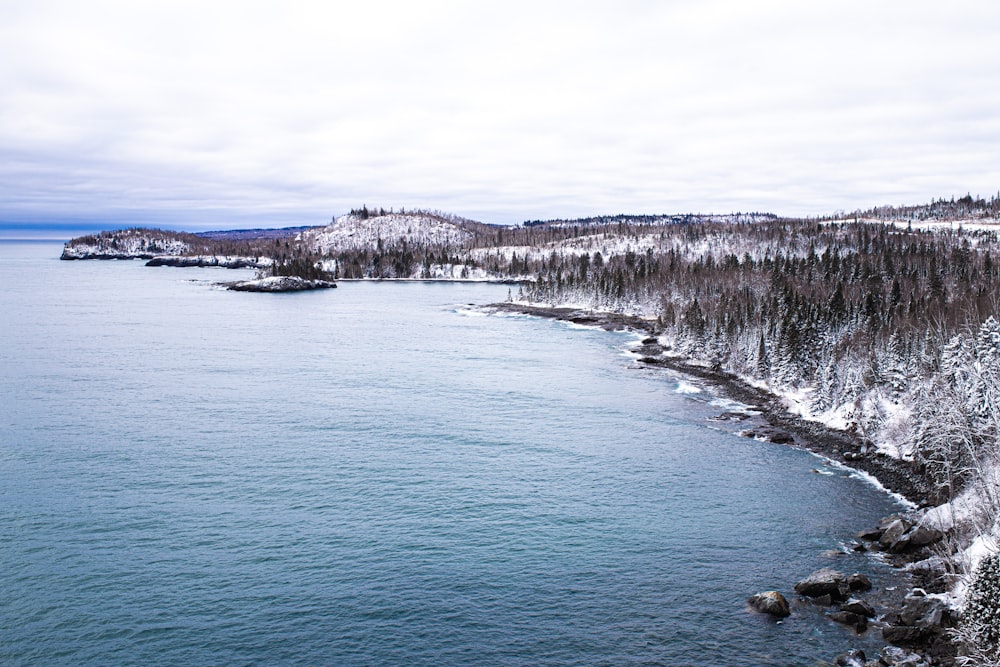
(372,475)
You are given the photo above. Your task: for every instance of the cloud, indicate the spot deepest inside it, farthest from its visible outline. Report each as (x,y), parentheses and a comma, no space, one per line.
(237,113)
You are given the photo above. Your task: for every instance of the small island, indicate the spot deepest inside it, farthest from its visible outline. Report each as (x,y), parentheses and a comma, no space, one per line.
(280,284)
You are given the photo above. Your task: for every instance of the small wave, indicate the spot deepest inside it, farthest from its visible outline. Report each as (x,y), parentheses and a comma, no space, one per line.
(684,387)
(870,479)
(729,405)
(576,325)
(486,311)
(470,312)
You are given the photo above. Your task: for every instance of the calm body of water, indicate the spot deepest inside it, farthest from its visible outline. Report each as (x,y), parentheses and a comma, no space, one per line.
(371,476)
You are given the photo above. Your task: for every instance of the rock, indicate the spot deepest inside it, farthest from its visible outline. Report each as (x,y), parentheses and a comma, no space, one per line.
(932,573)
(853,658)
(858,582)
(919,536)
(893,656)
(208,260)
(921,622)
(649,349)
(770,602)
(871,535)
(823,600)
(924,612)
(859,607)
(856,621)
(730,417)
(892,533)
(769,434)
(905,635)
(826,581)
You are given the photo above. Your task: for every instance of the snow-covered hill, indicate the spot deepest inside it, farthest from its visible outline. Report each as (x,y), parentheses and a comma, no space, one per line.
(356,232)
(125,244)
(968,213)
(672,219)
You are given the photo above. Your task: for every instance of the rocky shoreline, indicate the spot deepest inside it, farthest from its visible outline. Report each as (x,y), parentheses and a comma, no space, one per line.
(775,423)
(187,261)
(915,623)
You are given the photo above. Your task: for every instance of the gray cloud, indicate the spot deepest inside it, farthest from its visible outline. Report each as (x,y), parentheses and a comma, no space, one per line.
(264,112)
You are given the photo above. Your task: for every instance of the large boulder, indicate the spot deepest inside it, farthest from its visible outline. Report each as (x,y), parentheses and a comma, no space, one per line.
(826,581)
(906,635)
(853,658)
(871,534)
(893,656)
(932,574)
(770,602)
(856,621)
(859,607)
(916,537)
(923,611)
(859,583)
(920,623)
(892,533)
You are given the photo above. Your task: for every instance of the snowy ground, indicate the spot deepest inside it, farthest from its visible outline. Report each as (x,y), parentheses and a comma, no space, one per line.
(353,232)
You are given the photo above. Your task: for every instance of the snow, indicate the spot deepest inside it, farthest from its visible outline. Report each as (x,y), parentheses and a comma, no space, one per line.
(612,244)
(675,219)
(967,224)
(456,272)
(982,546)
(124,244)
(222,261)
(280,284)
(354,232)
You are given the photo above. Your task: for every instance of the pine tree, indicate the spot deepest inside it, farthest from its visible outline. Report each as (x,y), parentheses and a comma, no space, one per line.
(763,362)
(980,624)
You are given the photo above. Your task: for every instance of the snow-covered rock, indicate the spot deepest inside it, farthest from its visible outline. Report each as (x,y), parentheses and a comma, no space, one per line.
(280,284)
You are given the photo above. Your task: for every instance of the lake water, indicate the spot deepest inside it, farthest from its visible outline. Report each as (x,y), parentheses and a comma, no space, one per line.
(374,475)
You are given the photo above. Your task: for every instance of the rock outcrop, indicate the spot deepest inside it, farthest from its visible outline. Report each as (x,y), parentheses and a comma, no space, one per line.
(902,534)
(853,658)
(210,260)
(280,284)
(770,602)
(826,581)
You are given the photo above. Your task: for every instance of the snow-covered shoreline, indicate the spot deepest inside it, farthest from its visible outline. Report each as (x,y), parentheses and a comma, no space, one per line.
(767,415)
(814,436)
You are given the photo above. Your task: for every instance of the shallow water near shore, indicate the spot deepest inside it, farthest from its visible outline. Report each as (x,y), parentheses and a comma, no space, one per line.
(378,475)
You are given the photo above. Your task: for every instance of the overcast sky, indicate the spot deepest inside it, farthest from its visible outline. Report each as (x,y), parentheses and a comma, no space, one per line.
(223,114)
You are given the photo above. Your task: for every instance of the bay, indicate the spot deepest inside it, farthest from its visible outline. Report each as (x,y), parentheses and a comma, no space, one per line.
(380,474)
